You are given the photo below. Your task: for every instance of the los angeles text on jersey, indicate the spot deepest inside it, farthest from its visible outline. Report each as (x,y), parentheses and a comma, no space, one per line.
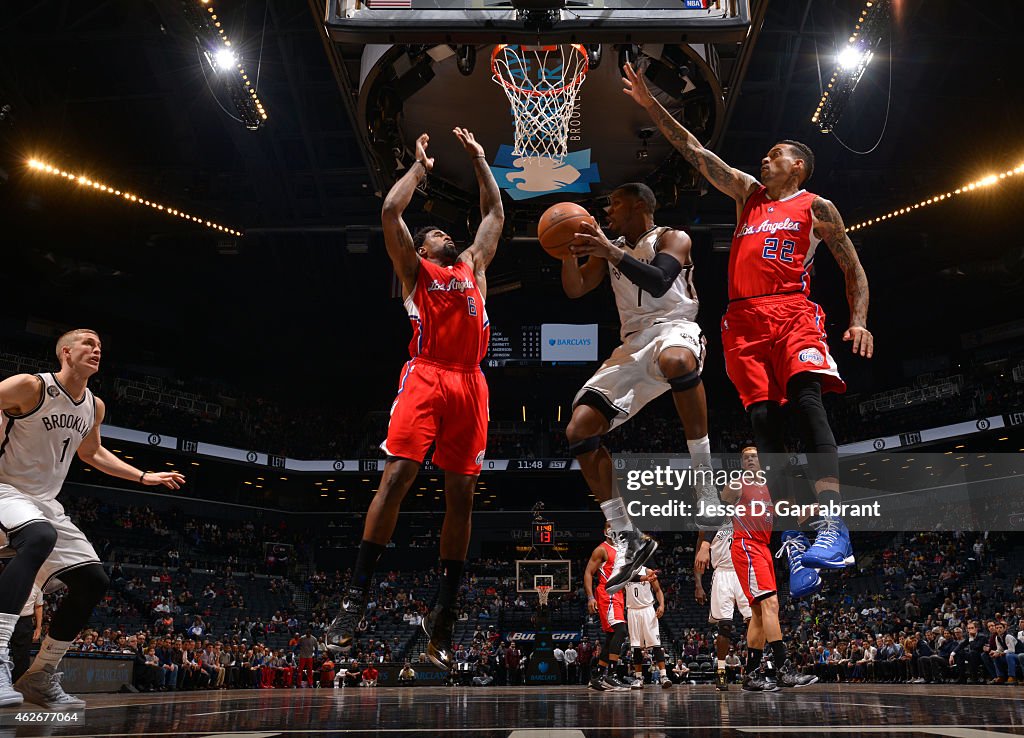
(66,421)
(766,226)
(453,284)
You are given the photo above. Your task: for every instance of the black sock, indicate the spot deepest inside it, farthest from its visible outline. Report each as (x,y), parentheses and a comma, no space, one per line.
(366,563)
(451,576)
(827,496)
(753,658)
(778,651)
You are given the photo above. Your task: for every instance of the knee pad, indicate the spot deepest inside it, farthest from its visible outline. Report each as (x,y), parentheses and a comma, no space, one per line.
(686,382)
(585,446)
(768,424)
(724,630)
(91,580)
(659,654)
(638,655)
(804,391)
(34,541)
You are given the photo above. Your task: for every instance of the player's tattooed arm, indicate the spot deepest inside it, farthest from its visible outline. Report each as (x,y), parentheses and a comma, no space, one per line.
(397,239)
(734,183)
(829,227)
(492,213)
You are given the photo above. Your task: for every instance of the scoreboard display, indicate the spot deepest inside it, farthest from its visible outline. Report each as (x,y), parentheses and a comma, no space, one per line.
(543,533)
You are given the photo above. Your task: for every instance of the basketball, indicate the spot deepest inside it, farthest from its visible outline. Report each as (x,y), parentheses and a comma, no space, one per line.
(558,226)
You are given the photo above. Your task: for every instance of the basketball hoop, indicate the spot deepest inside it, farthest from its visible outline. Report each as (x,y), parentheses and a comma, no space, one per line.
(542,594)
(541,83)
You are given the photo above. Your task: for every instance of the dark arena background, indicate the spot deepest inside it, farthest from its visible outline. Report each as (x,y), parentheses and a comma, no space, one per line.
(201,183)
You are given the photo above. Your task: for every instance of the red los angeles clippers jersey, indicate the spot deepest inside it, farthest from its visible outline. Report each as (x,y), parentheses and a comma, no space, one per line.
(756,524)
(606,568)
(772,247)
(449,322)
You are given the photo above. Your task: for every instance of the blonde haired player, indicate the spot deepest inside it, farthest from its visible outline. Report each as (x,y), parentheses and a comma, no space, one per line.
(642,622)
(47,419)
(726,593)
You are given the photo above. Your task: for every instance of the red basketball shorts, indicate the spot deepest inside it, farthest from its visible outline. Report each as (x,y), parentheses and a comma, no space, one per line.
(443,405)
(754,568)
(768,340)
(612,610)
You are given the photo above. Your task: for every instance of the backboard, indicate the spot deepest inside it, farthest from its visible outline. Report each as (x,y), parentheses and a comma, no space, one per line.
(505,21)
(553,572)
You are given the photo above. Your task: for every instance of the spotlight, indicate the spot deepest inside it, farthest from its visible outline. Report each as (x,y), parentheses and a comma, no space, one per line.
(850,57)
(225,59)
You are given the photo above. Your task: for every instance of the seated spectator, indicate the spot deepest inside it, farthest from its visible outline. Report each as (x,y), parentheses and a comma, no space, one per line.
(370,675)
(407,675)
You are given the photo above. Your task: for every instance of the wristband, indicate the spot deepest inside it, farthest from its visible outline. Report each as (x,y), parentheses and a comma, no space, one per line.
(141,477)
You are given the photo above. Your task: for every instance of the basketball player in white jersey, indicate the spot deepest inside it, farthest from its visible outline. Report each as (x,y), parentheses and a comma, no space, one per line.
(47,419)
(642,621)
(726,593)
(651,274)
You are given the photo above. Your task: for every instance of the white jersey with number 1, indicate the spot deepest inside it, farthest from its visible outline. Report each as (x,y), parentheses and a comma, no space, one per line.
(36,448)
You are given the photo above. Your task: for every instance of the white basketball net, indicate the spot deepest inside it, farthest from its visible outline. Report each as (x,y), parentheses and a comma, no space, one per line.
(541,82)
(542,595)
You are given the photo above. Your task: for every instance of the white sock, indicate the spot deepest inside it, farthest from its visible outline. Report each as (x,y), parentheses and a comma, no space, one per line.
(50,654)
(7,623)
(615,513)
(700,451)
(664,673)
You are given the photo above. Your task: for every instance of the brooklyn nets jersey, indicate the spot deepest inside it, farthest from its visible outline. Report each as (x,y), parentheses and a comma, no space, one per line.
(36,448)
(639,310)
(639,594)
(721,547)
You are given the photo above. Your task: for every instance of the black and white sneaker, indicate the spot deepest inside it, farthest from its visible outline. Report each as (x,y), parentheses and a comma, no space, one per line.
(632,549)
(613,684)
(707,499)
(342,629)
(759,681)
(438,626)
(597,682)
(790,677)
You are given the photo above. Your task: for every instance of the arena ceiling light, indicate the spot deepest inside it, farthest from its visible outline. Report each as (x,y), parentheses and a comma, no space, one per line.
(216,46)
(851,61)
(83,181)
(989,181)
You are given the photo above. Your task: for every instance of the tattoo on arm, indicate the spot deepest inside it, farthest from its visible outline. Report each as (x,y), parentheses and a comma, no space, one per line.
(829,228)
(485,244)
(732,182)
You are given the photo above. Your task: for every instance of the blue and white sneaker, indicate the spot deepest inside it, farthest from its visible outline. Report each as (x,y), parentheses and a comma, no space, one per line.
(831,548)
(802,581)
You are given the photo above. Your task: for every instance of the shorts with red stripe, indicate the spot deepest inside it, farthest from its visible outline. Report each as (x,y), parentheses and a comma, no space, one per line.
(443,404)
(611,609)
(769,340)
(755,568)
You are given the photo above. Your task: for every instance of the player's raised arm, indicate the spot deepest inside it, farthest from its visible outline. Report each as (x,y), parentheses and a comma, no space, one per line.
(397,238)
(20,394)
(734,183)
(485,244)
(828,226)
(95,455)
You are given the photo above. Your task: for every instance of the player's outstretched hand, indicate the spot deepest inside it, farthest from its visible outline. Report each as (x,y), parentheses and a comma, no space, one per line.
(421,152)
(591,241)
(863,341)
(700,595)
(468,141)
(634,85)
(171,480)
